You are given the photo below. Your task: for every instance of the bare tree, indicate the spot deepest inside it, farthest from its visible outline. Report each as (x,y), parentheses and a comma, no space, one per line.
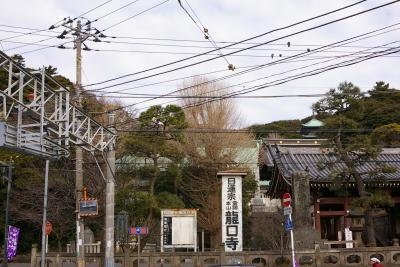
(212,145)
(27,199)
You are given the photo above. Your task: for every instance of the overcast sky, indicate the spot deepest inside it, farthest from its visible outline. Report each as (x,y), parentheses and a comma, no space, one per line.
(167,28)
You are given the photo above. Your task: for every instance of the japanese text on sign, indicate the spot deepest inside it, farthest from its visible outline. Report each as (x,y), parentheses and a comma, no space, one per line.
(232,213)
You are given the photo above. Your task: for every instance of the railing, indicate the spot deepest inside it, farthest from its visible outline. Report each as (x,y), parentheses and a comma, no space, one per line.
(92,248)
(330,243)
(359,257)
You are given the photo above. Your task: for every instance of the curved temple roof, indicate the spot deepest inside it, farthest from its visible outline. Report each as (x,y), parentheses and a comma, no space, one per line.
(320,163)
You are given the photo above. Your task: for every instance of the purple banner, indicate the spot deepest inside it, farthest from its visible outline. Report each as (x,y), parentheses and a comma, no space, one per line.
(13,234)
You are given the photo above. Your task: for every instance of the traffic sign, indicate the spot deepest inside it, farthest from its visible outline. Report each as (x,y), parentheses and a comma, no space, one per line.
(49,227)
(138,230)
(287,199)
(287,210)
(288,224)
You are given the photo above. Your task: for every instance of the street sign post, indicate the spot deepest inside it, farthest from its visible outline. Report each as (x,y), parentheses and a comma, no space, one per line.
(288,224)
(49,228)
(287,211)
(138,231)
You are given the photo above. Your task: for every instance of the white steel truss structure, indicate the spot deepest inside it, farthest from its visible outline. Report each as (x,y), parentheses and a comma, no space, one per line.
(37,117)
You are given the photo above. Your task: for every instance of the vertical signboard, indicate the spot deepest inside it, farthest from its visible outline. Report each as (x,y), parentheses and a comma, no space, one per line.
(167,231)
(232,234)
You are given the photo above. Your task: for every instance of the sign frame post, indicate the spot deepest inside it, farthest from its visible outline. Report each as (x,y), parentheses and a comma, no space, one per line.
(138,231)
(287,201)
(138,251)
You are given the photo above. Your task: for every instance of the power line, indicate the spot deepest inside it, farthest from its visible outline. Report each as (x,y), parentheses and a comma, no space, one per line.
(241,131)
(171,80)
(305,74)
(240,50)
(137,14)
(294,77)
(87,12)
(193,53)
(192,46)
(201,41)
(37,43)
(112,12)
(332,45)
(35,31)
(27,33)
(213,97)
(230,48)
(204,31)
(300,68)
(42,48)
(256,67)
(245,40)
(237,96)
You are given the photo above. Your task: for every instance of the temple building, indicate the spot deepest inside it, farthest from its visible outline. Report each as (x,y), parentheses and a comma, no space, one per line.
(297,166)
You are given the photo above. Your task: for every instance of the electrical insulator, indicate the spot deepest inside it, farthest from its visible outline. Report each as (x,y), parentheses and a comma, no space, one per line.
(231,67)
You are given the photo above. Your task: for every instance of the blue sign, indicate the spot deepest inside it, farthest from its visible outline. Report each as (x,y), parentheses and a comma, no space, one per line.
(138,230)
(288,224)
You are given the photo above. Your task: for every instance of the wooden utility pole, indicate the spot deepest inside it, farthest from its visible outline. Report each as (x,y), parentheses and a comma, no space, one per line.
(110,187)
(80,227)
(80,36)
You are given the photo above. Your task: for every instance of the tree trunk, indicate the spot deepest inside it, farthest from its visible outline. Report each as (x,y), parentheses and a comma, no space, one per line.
(154,178)
(152,185)
(369,224)
(215,239)
(59,245)
(362,192)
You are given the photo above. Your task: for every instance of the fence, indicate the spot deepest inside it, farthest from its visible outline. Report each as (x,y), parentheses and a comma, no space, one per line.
(390,256)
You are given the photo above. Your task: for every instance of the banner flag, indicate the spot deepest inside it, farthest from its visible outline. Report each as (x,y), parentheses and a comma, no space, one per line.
(13,235)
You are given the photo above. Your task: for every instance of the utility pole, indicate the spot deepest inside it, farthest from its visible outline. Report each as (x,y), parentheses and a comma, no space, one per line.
(110,187)
(81,33)
(80,226)
(46,186)
(80,36)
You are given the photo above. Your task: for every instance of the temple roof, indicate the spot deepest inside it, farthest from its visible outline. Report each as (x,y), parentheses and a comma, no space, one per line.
(313,123)
(313,159)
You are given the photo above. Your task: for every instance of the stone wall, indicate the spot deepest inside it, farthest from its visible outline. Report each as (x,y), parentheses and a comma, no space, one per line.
(357,257)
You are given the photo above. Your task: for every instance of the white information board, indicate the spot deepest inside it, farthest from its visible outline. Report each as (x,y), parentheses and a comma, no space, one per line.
(179,228)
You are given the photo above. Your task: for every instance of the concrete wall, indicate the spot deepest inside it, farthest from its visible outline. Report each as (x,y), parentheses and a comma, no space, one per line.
(358,257)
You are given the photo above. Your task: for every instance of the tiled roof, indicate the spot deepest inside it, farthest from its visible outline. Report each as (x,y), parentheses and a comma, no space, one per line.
(292,159)
(313,123)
